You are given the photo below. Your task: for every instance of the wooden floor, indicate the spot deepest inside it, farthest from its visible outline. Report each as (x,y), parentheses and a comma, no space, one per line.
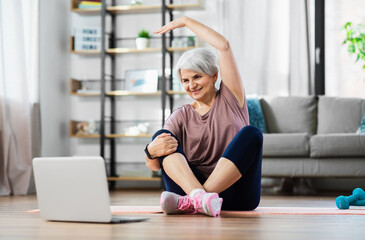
(16,224)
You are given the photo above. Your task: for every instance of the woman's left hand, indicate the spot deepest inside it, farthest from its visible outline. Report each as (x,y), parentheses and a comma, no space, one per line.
(178,23)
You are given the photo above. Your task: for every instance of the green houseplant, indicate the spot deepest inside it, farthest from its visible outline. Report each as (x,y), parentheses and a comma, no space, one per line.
(355,40)
(143,40)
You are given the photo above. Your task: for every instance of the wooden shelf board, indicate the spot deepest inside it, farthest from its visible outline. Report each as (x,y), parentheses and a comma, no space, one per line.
(126,50)
(180,49)
(86,52)
(85,135)
(85,94)
(126,9)
(147,50)
(122,135)
(121,178)
(118,93)
(132,50)
(92,11)
(176,92)
(134,9)
(183,7)
(128,93)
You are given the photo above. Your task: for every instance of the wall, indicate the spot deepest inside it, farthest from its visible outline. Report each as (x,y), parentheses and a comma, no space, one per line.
(54,71)
(344,77)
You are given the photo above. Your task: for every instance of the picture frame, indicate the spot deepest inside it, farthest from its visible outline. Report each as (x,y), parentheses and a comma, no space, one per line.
(141,80)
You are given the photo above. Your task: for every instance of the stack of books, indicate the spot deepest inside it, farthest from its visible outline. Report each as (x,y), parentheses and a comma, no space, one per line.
(90,4)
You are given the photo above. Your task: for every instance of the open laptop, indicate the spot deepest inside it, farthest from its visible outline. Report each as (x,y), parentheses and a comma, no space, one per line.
(74,189)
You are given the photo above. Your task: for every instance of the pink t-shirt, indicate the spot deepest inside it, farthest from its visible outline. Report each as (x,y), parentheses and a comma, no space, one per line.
(204,138)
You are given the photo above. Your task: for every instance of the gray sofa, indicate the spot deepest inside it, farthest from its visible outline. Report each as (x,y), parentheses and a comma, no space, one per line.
(313,137)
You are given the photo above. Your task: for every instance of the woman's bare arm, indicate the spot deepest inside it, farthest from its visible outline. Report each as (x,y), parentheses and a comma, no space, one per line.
(164,144)
(227,63)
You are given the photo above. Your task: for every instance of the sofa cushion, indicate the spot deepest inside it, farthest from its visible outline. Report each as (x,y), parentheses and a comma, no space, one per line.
(256,115)
(337,145)
(339,115)
(313,167)
(286,145)
(290,114)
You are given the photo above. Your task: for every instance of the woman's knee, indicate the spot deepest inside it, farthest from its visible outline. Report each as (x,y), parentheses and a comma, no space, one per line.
(253,204)
(178,149)
(252,133)
(161,131)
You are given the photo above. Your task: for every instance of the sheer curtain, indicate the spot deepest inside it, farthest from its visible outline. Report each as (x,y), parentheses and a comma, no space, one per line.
(270,43)
(19,101)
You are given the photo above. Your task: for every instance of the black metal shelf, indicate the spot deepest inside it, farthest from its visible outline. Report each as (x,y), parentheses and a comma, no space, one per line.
(110,13)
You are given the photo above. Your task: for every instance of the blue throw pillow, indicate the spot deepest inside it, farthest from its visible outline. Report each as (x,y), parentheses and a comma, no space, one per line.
(361,129)
(256,115)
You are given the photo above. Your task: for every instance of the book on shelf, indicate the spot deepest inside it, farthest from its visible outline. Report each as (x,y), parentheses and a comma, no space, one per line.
(89,5)
(91,2)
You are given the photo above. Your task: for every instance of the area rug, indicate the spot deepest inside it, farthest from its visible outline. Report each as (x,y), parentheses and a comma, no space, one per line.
(257,211)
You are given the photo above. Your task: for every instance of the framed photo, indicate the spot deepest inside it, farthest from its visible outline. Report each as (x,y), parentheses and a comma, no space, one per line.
(141,80)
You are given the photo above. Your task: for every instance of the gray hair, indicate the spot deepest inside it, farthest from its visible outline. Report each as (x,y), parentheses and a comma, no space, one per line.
(200,60)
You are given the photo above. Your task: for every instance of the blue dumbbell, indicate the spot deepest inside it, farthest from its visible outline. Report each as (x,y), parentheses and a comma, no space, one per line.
(343,202)
(358,203)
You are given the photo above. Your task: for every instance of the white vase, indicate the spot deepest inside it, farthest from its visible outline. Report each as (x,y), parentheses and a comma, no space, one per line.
(142,43)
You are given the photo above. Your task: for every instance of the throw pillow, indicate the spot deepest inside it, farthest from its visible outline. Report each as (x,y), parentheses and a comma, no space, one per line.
(256,115)
(361,129)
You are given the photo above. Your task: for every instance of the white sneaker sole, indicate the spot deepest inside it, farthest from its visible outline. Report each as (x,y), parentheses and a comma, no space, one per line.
(214,204)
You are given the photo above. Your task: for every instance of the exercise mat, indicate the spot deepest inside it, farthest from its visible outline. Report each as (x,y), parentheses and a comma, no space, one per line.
(257,211)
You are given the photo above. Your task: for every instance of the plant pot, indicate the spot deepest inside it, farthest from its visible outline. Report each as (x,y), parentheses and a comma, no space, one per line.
(142,43)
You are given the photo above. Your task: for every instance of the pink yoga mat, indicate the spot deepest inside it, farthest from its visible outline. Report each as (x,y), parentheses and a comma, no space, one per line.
(257,211)
(125,209)
(295,211)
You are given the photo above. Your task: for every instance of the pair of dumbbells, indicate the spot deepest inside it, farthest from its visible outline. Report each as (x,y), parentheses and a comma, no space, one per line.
(356,199)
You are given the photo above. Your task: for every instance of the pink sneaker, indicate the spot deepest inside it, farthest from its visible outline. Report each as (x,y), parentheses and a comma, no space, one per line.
(172,203)
(208,203)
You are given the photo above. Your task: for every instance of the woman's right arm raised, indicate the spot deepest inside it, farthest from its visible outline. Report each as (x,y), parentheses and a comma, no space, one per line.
(228,67)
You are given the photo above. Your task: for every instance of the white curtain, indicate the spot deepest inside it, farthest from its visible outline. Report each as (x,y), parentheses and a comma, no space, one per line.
(269,39)
(19,100)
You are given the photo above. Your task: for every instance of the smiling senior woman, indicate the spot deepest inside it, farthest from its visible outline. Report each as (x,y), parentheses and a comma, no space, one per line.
(206,151)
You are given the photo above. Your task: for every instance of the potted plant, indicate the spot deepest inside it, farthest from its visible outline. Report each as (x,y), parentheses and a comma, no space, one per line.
(143,40)
(355,38)
(135,3)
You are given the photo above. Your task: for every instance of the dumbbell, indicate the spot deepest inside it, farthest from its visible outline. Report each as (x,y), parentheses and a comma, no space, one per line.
(358,203)
(343,202)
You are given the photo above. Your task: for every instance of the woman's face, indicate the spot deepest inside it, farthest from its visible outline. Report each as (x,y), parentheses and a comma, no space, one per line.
(197,85)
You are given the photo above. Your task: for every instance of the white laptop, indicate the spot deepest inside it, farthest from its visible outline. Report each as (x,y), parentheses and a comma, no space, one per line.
(74,189)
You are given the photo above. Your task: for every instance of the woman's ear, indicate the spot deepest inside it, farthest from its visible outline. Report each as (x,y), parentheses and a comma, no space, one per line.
(215,77)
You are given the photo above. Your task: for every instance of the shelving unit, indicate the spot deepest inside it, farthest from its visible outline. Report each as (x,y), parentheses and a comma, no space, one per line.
(116,51)
(111,12)
(134,9)
(76,89)
(74,133)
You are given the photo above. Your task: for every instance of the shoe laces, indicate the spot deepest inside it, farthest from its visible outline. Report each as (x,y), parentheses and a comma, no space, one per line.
(197,201)
(186,204)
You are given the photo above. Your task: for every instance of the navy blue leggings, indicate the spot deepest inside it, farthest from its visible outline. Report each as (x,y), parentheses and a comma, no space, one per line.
(245,151)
